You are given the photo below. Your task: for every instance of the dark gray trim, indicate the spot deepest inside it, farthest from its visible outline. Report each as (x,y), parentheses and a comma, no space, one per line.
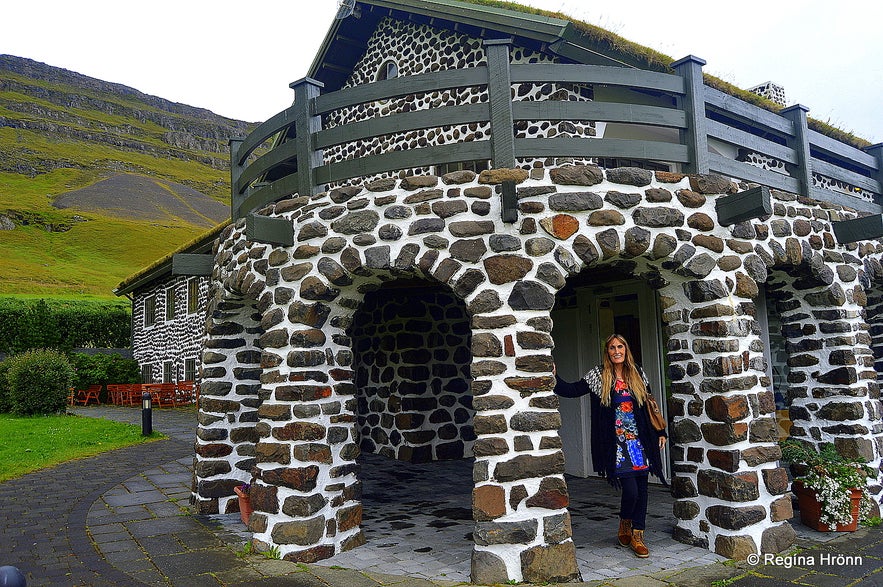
(599,112)
(500,95)
(751,142)
(394,123)
(577,147)
(264,229)
(597,74)
(731,168)
(695,136)
(192,264)
(425,157)
(509,201)
(401,86)
(307,124)
(858,229)
(747,205)
(800,143)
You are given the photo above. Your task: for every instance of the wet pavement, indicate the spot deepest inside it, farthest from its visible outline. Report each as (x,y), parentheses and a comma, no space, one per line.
(122,518)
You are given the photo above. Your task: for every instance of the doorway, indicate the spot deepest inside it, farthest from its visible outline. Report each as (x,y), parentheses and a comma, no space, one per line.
(584,316)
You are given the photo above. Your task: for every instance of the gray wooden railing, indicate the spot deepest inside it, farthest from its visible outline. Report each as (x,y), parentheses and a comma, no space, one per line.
(697,112)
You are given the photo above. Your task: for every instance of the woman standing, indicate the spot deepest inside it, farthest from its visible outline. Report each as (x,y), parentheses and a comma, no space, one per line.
(625,447)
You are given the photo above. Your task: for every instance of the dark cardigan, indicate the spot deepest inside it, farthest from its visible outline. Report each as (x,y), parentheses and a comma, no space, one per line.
(603,435)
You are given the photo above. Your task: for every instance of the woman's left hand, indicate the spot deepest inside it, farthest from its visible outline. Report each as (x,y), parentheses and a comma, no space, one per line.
(662,440)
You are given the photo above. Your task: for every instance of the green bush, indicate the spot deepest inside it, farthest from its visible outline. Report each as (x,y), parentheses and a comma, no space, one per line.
(4,388)
(39,382)
(101,369)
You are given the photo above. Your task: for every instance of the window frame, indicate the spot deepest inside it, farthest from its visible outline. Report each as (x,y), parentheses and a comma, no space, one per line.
(192,295)
(190,369)
(150,311)
(168,372)
(170,304)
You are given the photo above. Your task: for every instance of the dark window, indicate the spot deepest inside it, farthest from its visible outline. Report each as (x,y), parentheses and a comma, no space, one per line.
(147,373)
(388,70)
(192,295)
(189,369)
(150,311)
(170,303)
(167,372)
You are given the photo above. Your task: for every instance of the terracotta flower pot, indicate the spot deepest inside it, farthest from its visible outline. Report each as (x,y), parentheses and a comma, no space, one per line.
(245,508)
(811,509)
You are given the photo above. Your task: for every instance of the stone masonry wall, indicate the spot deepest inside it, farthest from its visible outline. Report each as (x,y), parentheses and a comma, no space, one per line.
(169,340)
(731,490)
(412,358)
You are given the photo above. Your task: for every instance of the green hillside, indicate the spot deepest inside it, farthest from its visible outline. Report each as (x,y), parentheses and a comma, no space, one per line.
(98,180)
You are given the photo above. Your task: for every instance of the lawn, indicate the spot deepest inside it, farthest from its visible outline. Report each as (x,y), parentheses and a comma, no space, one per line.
(32,443)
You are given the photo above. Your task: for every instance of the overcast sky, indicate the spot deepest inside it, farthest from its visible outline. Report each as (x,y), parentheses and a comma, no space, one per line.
(237,58)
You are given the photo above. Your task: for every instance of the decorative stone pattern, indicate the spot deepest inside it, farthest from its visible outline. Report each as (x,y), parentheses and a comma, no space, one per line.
(318,394)
(416,49)
(169,341)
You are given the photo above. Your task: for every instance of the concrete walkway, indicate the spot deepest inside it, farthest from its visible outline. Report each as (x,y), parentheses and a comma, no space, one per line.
(122,518)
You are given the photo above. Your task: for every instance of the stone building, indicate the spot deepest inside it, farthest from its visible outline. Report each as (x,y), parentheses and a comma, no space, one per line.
(169,312)
(462,194)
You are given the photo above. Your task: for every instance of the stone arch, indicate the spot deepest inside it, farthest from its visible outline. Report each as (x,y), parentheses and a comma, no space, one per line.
(229,399)
(817,288)
(412,354)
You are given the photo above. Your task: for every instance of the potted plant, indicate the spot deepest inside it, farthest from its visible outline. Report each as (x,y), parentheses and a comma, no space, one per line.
(831,490)
(245,508)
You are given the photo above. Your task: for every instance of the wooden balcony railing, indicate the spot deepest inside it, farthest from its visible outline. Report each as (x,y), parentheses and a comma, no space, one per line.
(700,116)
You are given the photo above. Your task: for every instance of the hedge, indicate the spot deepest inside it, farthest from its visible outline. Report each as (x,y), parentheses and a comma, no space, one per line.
(63,325)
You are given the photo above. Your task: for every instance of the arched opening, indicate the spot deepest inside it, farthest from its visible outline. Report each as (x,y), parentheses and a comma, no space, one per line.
(411,342)
(592,305)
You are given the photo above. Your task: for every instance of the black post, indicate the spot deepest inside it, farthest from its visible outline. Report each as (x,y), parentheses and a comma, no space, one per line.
(146,414)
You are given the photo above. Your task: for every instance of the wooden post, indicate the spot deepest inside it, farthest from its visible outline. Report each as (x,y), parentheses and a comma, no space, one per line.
(499,89)
(306,124)
(877,152)
(235,171)
(799,141)
(695,137)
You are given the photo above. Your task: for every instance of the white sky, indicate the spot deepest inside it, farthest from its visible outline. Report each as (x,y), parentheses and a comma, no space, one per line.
(237,58)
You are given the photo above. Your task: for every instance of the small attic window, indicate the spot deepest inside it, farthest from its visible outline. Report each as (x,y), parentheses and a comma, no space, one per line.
(388,70)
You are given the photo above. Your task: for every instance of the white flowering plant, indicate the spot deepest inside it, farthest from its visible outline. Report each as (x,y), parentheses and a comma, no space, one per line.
(832,477)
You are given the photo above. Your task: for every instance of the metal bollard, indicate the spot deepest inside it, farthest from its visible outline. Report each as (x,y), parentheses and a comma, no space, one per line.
(12,577)
(146,414)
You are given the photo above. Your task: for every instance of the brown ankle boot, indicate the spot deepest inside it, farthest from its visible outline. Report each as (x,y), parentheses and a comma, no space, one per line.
(625,532)
(638,546)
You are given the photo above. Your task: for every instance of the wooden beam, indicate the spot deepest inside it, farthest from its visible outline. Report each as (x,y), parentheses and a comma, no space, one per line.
(510,202)
(858,229)
(263,229)
(190,264)
(743,206)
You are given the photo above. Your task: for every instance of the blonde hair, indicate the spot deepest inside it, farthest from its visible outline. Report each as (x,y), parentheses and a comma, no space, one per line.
(630,373)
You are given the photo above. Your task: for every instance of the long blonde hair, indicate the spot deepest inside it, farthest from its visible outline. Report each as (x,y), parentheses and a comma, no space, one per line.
(630,373)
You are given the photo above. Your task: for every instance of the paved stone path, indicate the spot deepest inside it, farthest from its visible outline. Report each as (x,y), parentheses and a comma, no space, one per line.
(122,518)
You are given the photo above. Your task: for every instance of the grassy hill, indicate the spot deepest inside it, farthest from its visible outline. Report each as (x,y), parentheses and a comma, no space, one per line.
(98,180)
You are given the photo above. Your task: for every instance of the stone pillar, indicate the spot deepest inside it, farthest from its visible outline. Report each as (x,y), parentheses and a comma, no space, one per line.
(522,530)
(306,492)
(228,402)
(730,490)
(831,358)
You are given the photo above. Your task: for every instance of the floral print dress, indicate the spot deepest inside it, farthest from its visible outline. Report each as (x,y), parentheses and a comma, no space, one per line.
(630,457)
